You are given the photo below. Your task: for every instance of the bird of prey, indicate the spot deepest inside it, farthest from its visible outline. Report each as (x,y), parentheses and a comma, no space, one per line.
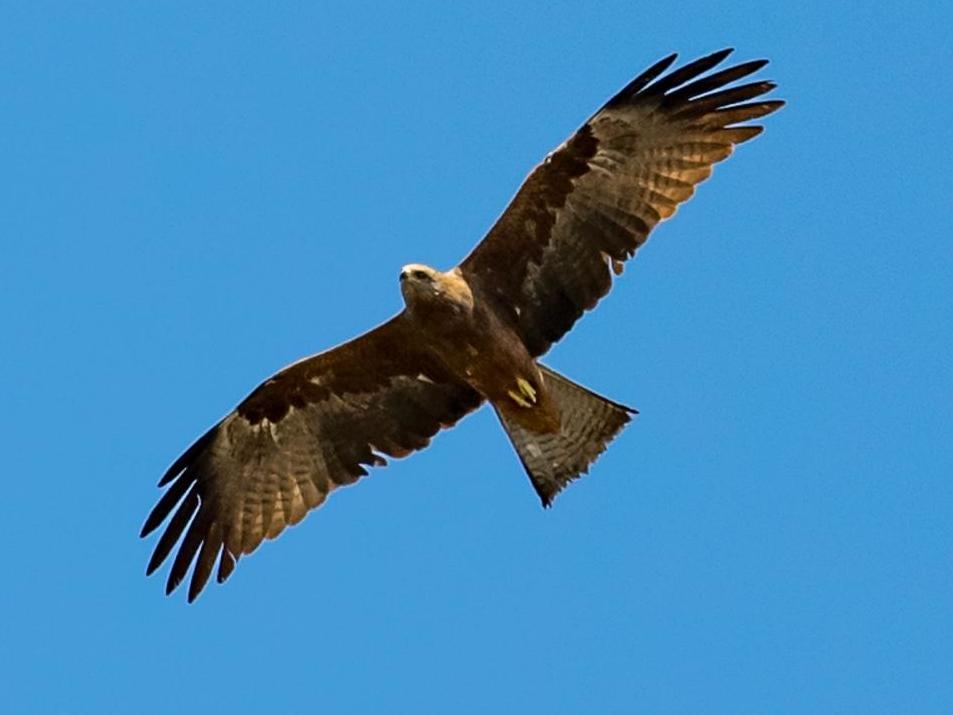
(469,335)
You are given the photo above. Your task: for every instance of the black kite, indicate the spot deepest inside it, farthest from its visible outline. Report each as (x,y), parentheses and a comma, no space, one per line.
(469,335)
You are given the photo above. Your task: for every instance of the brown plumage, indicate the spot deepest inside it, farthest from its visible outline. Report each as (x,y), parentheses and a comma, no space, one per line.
(467,335)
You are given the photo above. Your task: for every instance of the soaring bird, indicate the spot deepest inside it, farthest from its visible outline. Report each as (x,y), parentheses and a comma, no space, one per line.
(469,335)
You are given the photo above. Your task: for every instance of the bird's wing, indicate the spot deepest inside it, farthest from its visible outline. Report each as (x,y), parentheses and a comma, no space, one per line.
(302,433)
(593,201)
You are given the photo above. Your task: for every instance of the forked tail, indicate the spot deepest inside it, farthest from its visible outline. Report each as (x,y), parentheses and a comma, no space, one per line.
(589,423)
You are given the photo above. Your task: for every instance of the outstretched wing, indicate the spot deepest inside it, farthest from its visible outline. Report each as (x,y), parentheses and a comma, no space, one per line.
(594,200)
(302,433)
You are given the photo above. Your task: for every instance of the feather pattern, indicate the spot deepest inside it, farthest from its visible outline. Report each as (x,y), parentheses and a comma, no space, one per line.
(593,202)
(309,429)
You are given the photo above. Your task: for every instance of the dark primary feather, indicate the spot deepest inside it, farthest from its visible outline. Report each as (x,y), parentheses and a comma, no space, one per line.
(591,203)
(310,428)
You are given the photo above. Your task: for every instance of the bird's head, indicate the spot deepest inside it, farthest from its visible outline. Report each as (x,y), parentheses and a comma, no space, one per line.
(418,283)
(423,284)
(417,273)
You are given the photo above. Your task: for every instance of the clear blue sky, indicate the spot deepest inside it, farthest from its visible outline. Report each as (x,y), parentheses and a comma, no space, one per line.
(191,198)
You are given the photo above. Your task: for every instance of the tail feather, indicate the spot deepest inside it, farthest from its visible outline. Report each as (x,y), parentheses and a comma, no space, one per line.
(589,423)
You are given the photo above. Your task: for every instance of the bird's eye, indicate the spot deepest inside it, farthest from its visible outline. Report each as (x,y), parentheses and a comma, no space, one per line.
(420,275)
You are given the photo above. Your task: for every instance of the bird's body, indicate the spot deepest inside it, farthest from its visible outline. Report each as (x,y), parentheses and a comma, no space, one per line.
(462,330)
(468,335)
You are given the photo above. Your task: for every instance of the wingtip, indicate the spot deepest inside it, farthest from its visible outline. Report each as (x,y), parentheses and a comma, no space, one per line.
(169,474)
(663,64)
(172,583)
(642,80)
(653,76)
(664,84)
(153,521)
(226,564)
(155,561)
(628,408)
(747,132)
(712,59)
(772,105)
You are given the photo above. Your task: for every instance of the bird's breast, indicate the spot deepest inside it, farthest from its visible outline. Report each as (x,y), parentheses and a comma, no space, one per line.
(491,358)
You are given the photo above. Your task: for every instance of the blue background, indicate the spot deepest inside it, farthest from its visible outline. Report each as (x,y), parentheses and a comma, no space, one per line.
(191,198)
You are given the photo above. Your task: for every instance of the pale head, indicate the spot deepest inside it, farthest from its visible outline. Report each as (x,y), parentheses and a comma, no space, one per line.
(416,281)
(423,284)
